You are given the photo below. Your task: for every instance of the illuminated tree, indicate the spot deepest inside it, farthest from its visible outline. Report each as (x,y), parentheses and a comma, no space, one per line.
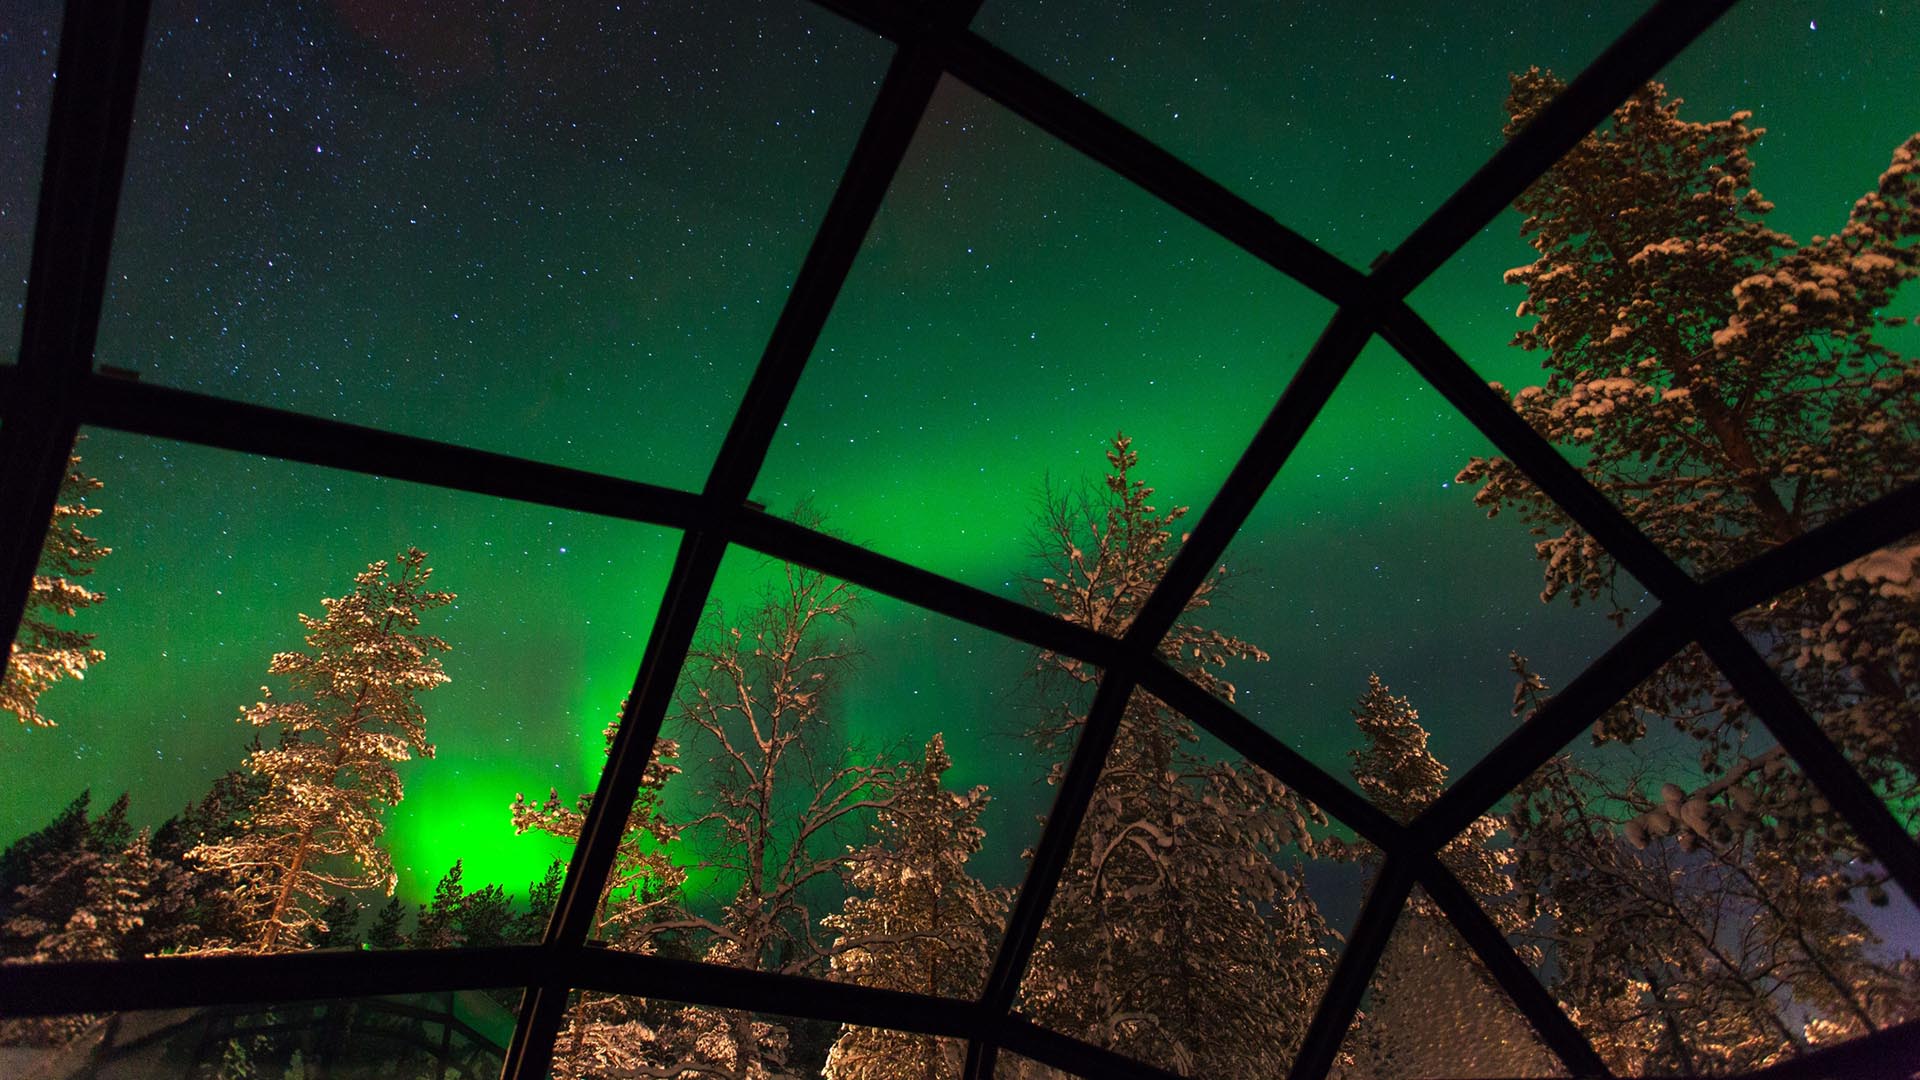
(1433,1008)
(330,777)
(1176,936)
(1686,938)
(1729,389)
(611,1034)
(752,703)
(45,652)
(918,922)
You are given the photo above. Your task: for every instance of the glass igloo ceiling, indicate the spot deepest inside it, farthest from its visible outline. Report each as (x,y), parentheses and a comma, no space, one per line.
(984,540)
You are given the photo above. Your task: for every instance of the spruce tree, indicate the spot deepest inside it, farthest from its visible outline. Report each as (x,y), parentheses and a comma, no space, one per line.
(45,652)
(385,933)
(917,921)
(438,924)
(330,776)
(1181,932)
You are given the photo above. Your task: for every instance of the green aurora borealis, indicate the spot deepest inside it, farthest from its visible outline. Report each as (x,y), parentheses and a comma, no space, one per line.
(569,240)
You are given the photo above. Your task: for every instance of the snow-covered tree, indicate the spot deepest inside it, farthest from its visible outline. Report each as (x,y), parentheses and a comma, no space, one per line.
(1686,939)
(607,1035)
(1730,389)
(783,798)
(1180,933)
(1433,1009)
(45,651)
(208,909)
(88,904)
(917,920)
(330,776)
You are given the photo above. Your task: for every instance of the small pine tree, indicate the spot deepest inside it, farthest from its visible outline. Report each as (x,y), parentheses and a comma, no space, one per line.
(530,926)
(209,910)
(485,917)
(316,829)
(45,652)
(386,931)
(89,906)
(918,921)
(438,925)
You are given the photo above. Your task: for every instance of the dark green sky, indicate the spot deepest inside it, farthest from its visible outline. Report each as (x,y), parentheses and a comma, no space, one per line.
(568,236)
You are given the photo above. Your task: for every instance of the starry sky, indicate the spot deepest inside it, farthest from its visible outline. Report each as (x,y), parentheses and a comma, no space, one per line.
(566,234)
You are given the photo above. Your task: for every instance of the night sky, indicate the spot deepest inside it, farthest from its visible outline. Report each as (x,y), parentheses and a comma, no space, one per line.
(568,234)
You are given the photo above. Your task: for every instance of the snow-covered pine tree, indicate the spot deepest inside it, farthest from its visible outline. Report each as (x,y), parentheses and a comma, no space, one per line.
(385,933)
(89,905)
(1730,390)
(917,920)
(45,652)
(330,776)
(530,926)
(208,910)
(1433,1009)
(1177,935)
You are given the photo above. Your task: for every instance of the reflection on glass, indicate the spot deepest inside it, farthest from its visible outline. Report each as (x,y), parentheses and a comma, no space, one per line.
(297,729)
(613,1035)
(1694,902)
(1433,1010)
(457,1035)
(1184,932)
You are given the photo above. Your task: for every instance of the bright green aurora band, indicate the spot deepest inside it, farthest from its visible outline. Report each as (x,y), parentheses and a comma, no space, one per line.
(457,231)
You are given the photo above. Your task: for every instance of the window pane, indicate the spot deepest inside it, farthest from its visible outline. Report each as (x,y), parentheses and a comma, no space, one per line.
(1350,125)
(1688,895)
(1014,307)
(1433,1010)
(29,44)
(1848,642)
(258,591)
(1367,560)
(569,228)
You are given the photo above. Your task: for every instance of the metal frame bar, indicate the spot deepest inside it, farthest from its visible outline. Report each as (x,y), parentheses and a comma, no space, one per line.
(52,391)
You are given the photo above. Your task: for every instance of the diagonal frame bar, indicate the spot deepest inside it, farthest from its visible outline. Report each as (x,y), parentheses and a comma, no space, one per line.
(90,122)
